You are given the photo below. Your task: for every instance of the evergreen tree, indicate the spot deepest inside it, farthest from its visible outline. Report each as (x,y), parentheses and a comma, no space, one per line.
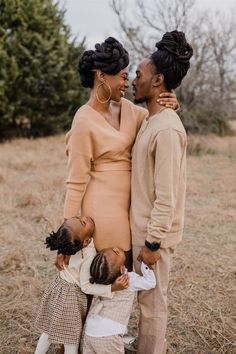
(39,83)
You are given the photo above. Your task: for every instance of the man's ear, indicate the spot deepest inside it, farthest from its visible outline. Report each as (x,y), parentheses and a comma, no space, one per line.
(158,80)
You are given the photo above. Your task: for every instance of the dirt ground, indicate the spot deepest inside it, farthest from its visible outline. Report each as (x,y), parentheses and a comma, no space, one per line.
(202,292)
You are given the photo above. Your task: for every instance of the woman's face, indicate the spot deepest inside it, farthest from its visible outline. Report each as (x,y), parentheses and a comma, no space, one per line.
(118,83)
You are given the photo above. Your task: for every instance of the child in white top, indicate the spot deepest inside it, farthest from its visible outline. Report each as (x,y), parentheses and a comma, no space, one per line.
(107,320)
(64,303)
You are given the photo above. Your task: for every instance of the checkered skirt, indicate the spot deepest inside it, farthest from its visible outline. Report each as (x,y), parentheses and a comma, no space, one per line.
(62,312)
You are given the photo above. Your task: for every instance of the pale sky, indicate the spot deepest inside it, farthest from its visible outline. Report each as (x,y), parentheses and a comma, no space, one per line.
(96,20)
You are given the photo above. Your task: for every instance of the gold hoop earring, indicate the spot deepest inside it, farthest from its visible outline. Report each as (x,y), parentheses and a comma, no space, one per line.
(109,92)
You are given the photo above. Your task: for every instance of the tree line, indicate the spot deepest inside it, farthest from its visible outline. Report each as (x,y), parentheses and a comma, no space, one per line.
(39,84)
(208,93)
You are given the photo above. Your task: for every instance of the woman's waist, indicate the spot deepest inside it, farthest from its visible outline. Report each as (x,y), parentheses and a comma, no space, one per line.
(111,166)
(110,184)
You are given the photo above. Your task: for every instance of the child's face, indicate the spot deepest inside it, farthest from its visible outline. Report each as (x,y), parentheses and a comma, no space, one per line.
(80,227)
(115,256)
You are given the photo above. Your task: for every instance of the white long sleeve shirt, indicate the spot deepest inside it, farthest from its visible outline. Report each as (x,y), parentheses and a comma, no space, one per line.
(109,317)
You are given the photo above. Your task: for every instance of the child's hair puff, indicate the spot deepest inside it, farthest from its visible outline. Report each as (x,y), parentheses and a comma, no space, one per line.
(63,242)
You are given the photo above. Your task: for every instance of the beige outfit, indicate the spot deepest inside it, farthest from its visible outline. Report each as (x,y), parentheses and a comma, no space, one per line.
(157,212)
(159,180)
(107,320)
(117,309)
(103,345)
(99,168)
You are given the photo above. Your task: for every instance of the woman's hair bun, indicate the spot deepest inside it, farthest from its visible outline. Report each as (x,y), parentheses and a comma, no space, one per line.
(175,43)
(110,57)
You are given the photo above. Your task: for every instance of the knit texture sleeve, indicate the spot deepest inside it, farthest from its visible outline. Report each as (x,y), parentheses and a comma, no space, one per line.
(87,287)
(79,150)
(168,151)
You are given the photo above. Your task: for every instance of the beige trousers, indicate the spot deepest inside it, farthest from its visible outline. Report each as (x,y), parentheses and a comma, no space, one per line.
(153,306)
(103,345)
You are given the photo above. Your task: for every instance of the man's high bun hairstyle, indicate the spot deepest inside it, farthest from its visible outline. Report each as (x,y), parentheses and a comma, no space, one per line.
(109,56)
(172,58)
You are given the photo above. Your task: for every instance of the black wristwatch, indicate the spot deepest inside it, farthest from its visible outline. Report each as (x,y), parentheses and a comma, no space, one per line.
(153,246)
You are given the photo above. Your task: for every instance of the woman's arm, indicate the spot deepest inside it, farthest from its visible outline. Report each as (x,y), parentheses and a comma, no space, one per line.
(80,154)
(169,100)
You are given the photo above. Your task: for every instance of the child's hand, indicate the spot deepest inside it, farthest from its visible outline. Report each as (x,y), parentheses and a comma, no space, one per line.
(61,260)
(121,283)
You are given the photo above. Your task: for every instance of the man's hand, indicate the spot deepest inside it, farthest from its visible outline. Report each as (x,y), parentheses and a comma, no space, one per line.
(169,99)
(120,283)
(147,256)
(61,260)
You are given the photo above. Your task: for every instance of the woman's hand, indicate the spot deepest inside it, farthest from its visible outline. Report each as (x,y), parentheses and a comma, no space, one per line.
(120,283)
(169,99)
(61,260)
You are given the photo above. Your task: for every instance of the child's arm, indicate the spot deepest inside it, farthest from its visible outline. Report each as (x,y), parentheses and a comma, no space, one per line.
(146,281)
(99,289)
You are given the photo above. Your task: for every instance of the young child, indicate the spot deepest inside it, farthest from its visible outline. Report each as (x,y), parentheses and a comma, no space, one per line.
(107,319)
(64,304)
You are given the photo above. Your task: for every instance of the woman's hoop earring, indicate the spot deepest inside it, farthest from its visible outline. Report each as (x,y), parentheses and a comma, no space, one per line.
(109,92)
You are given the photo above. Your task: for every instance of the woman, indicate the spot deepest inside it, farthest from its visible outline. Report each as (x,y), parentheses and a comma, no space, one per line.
(99,147)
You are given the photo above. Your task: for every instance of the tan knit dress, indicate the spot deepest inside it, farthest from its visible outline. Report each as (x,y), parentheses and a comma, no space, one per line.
(99,168)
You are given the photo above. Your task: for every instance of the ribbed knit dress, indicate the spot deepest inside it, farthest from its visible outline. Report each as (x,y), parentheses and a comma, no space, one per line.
(99,172)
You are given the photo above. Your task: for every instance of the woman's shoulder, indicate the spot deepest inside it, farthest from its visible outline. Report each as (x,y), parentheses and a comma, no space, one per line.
(84,119)
(83,113)
(136,113)
(81,123)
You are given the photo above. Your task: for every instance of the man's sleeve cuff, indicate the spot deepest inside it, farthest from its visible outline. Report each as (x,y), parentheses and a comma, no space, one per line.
(151,239)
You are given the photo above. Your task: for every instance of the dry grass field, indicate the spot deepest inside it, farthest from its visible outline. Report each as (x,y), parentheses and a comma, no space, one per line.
(202,293)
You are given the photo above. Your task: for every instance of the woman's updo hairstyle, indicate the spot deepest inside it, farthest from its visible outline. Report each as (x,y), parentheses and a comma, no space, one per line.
(172,58)
(110,57)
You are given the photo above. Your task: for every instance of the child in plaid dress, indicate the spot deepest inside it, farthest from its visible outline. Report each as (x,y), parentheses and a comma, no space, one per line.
(64,304)
(107,319)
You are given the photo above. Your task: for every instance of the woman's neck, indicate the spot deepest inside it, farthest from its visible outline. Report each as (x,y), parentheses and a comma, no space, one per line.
(98,106)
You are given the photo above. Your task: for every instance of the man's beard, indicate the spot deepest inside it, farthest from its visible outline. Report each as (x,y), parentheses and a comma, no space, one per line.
(140,100)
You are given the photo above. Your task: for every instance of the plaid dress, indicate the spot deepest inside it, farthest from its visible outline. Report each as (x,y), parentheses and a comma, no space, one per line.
(62,312)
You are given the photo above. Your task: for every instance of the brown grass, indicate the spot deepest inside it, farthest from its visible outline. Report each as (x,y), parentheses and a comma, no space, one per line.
(202,293)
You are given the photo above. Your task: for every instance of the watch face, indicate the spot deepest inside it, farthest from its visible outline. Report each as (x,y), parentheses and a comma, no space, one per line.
(154,246)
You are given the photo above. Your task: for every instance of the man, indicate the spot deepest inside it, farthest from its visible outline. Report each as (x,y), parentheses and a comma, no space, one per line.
(158,183)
